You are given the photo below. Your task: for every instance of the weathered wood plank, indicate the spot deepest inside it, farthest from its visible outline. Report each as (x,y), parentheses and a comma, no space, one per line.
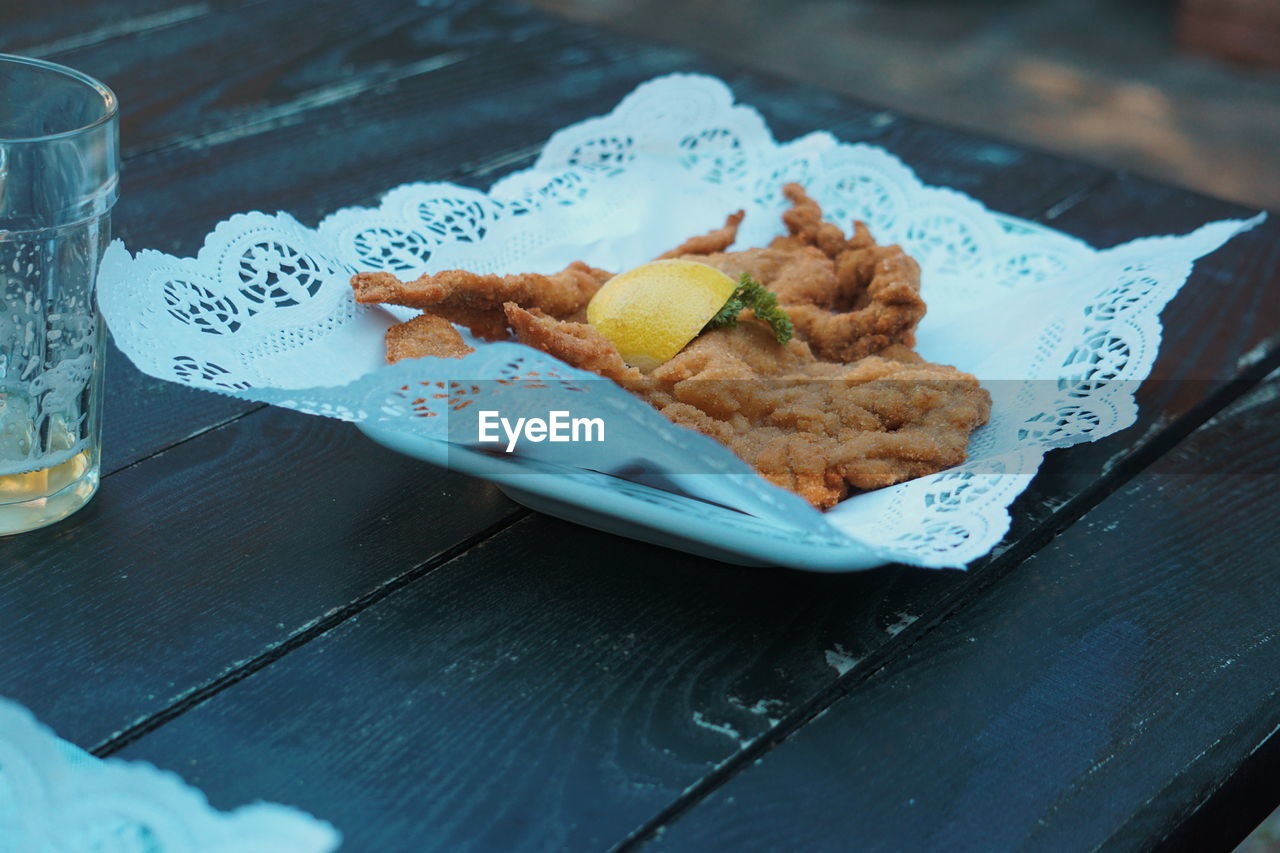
(1093,698)
(550,689)
(44,29)
(290,57)
(1238,807)
(528,696)
(466,115)
(211,554)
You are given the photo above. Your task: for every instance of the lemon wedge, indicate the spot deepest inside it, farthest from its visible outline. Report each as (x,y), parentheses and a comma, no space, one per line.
(652,311)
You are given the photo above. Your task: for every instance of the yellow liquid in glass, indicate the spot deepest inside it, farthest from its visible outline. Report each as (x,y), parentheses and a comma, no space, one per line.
(36,498)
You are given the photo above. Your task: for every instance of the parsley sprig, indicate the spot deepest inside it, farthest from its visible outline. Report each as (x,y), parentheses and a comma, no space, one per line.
(752,294)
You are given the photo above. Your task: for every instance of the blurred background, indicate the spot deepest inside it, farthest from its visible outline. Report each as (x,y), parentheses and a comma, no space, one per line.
(1187,91)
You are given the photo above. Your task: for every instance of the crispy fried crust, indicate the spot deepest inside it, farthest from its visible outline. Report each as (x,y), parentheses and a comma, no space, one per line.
(846,405)
(578,344)
(807,227)
(425,335)
(713,241)
(475,300)
(848,298)
(816,428)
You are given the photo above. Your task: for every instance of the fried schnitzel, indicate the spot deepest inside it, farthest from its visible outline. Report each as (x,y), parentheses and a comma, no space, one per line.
(426,334)
(475,300)
(817,428)
(846,405)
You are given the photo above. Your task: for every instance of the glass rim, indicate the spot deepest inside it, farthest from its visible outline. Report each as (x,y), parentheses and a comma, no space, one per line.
(109,100)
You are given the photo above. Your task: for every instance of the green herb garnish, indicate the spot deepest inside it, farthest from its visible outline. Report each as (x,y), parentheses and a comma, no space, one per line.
(752,294)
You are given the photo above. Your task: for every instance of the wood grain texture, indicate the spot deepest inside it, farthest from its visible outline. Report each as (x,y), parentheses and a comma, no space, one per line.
(469,122)
(1243,805)
(527,696)
(209,555)
(550,689)
(1093,698)
(437,126)
(251,64)
(44,29)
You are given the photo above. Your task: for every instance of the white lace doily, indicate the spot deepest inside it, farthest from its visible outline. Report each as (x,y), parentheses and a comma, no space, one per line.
(1059,332)
(54,797)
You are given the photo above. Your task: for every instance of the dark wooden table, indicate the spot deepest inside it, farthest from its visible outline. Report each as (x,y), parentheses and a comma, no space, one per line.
(274,607)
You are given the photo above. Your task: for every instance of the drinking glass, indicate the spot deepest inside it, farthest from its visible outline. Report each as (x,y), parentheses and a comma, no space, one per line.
(59,162)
